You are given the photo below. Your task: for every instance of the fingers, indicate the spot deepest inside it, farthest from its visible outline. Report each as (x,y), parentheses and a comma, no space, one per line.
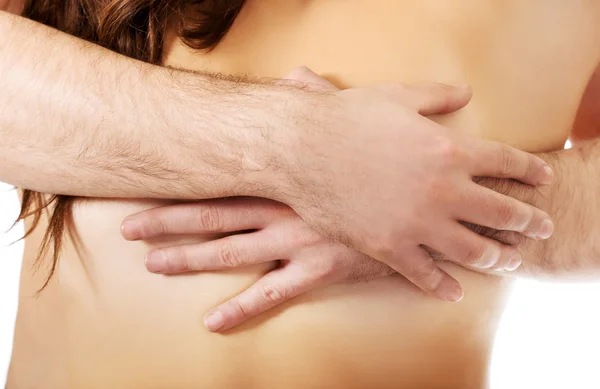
(494,159)
(213,216)
(437,99)
(274,288)
(487,208)
(225,253)
(419,268)
(461,245)
(307,77)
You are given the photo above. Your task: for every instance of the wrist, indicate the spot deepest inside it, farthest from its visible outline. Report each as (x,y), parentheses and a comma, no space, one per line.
(273,164)
(299,141)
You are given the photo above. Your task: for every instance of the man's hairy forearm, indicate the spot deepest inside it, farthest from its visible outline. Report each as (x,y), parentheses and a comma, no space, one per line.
(573,202)
(78,119)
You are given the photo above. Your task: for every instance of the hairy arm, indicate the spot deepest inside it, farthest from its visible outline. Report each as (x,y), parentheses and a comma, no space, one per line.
(571,200)
(78,119)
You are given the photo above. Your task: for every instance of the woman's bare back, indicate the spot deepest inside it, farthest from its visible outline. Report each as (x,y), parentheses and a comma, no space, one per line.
(104,321)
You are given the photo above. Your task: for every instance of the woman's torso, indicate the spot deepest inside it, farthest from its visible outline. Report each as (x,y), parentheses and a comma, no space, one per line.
(104,321)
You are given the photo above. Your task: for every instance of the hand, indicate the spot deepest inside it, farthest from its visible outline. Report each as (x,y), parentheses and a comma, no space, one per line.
(397,182)
(307,260)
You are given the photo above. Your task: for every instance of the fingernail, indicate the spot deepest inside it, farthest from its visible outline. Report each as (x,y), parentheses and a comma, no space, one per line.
(155,261)
(546,229)
(214,321)
(514,263)
(129,229)
(489,259)
(450,291)
(549,176)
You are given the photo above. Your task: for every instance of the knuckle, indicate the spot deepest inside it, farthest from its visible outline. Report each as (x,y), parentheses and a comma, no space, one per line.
(156,226)
(241,309)
(229,254)
(422,274)
(384,245)
(209,218)
(533,219)
(506,163)
(532,166)
(449,152)
(504,256)
(505,214)
(473,254)
(272,294)
(179,260)
(327,269)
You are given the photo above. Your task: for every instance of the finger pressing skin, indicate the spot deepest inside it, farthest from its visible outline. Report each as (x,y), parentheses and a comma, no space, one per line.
(494,159)
(212,216)
(463,246)
(274,288)
(311,79)
(225,253)
(487,208)
(418,267)
(437,99)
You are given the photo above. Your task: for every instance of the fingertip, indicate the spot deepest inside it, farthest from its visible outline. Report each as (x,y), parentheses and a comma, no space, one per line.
(466,93)
(458,95)
(454,88)
(450,290)
(514,263)
(214,321)
(130,229)
(155,262)
(541,228)
(547,175)
(464,89)
(546,229)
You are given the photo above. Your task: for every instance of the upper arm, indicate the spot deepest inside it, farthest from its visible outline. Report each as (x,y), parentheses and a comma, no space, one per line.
(587,122)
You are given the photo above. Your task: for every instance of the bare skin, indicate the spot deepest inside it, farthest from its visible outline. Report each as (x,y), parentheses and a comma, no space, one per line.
(269,231)
(108,132)
(109,323)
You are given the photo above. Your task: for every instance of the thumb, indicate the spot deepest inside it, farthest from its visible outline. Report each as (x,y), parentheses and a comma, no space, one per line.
(438,99)
(307,78)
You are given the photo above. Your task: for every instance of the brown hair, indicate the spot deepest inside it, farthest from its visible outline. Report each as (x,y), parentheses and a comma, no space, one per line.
(134,28)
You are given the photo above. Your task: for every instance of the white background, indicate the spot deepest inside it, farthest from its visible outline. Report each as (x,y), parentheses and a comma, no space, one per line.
(549,336)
